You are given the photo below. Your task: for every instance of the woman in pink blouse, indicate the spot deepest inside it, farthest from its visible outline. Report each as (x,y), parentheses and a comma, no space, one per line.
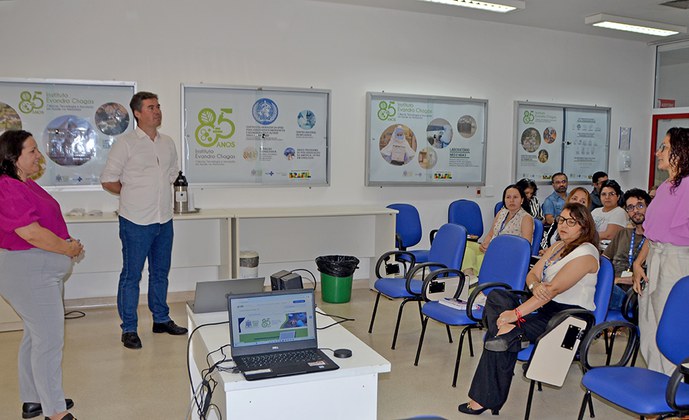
(666,250)
(36,253)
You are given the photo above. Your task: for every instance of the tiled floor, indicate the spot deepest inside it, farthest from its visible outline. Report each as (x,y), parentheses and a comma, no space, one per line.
(110,382)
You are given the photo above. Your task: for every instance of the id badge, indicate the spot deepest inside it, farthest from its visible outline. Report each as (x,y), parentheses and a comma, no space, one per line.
(626,273)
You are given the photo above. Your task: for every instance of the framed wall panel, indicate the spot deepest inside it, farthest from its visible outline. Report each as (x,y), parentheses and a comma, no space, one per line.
(425,140)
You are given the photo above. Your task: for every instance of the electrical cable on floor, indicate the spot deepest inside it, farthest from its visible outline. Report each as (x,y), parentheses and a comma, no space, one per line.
(313,278)
(74,314)
(203,404)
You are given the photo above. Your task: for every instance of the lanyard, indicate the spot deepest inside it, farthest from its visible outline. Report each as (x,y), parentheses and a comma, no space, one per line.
(502,226)
(551,260)
(631,248)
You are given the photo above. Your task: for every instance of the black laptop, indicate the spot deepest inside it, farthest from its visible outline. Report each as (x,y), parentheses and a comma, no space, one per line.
(274,334)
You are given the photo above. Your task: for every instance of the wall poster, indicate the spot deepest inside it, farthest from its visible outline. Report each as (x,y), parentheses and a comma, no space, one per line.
(561,138)
(255,136)
(74,122)
(425,140)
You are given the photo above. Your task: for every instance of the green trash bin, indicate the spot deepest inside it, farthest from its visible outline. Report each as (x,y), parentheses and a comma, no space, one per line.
(337,272)
(336,289)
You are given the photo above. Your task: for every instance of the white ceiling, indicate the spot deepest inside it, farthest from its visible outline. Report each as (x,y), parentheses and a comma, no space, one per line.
(561,15)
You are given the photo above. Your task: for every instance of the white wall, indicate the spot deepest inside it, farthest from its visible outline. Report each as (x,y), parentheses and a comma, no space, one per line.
(348,49)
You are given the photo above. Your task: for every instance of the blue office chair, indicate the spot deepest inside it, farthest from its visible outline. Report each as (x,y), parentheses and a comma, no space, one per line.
(643,391)
(537,237)
(601,298)
(447,251)
(468,214)
(505,265)
(408,231)
(628,312)
(499,205)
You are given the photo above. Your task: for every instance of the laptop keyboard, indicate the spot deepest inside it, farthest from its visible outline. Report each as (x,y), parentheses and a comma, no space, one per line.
(261,361)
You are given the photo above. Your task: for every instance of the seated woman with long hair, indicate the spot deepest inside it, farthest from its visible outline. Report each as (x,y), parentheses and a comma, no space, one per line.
(564,278)
(512,219)
(578,195)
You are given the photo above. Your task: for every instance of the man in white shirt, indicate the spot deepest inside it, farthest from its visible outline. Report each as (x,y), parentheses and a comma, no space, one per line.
(141,167)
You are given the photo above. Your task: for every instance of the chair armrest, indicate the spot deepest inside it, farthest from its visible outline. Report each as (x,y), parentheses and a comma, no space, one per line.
(480,288)
(431,236)
(443,272)
(597,331)
(386,257)
(419,267)
(681,374)
(579,313)
(631,304)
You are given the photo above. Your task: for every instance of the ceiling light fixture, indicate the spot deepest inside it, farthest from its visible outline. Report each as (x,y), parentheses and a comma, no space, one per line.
(646,27)
(503,6)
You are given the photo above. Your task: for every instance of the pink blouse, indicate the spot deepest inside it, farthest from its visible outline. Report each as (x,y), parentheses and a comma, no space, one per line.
(667,217)
(23,203)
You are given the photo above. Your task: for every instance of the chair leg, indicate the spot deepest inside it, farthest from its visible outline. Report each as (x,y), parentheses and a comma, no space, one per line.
(421,337)
(540,387)
(529,399)
(471,343)
(397,325)
(449,333)
(591,406)
(584,402)
(459,355)
(420,313)
(373,316)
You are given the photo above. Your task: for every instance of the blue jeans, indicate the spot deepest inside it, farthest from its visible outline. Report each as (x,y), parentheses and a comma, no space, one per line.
(138,243)
(617,298)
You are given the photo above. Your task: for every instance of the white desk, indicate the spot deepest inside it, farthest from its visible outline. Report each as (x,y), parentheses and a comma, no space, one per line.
(214,238)
(303,233)
(350,392)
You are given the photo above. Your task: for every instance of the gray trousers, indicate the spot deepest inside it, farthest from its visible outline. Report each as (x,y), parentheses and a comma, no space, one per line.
(666,264)
(32,282)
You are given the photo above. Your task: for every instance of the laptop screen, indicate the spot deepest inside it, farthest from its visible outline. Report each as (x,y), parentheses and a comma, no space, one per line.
(272,321)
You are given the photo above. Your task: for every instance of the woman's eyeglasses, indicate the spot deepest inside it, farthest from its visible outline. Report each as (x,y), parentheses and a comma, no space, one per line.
(638,206)
(608,194)
(661,148)
(571,222)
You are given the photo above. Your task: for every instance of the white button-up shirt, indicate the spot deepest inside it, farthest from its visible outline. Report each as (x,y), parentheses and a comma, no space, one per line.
(146,170)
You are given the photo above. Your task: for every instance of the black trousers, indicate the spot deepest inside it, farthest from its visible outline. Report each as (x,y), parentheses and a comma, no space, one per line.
(493,376)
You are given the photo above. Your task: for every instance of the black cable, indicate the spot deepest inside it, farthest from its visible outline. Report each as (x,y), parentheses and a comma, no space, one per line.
(198,403)
(342,319)
(313,278)
(79,314)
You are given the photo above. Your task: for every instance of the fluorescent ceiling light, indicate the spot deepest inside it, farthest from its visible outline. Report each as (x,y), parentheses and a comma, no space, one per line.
(503,6)
(619,23)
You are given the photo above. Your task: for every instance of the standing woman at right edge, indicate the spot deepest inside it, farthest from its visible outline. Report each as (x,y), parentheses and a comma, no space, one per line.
(667,230)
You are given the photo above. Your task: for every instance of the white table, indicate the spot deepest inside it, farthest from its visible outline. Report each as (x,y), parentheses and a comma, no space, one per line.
(350,392)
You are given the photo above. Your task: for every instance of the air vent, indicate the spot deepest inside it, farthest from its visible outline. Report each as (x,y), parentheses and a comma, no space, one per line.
(677,4)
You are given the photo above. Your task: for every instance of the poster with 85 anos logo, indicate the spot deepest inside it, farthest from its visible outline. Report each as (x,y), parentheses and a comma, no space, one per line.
(74,123)
(255,136)
(425,140)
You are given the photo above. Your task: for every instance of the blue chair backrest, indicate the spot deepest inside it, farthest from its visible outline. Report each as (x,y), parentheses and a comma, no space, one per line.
(507,261)
(448,246)
(497,208)
(407,224)
(468,214)
(672,337)
(537,236)
(606,278)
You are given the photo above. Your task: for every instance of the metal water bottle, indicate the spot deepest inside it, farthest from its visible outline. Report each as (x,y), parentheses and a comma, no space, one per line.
(181,194)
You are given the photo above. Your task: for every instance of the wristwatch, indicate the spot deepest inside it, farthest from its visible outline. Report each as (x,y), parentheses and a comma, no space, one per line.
(532,285)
